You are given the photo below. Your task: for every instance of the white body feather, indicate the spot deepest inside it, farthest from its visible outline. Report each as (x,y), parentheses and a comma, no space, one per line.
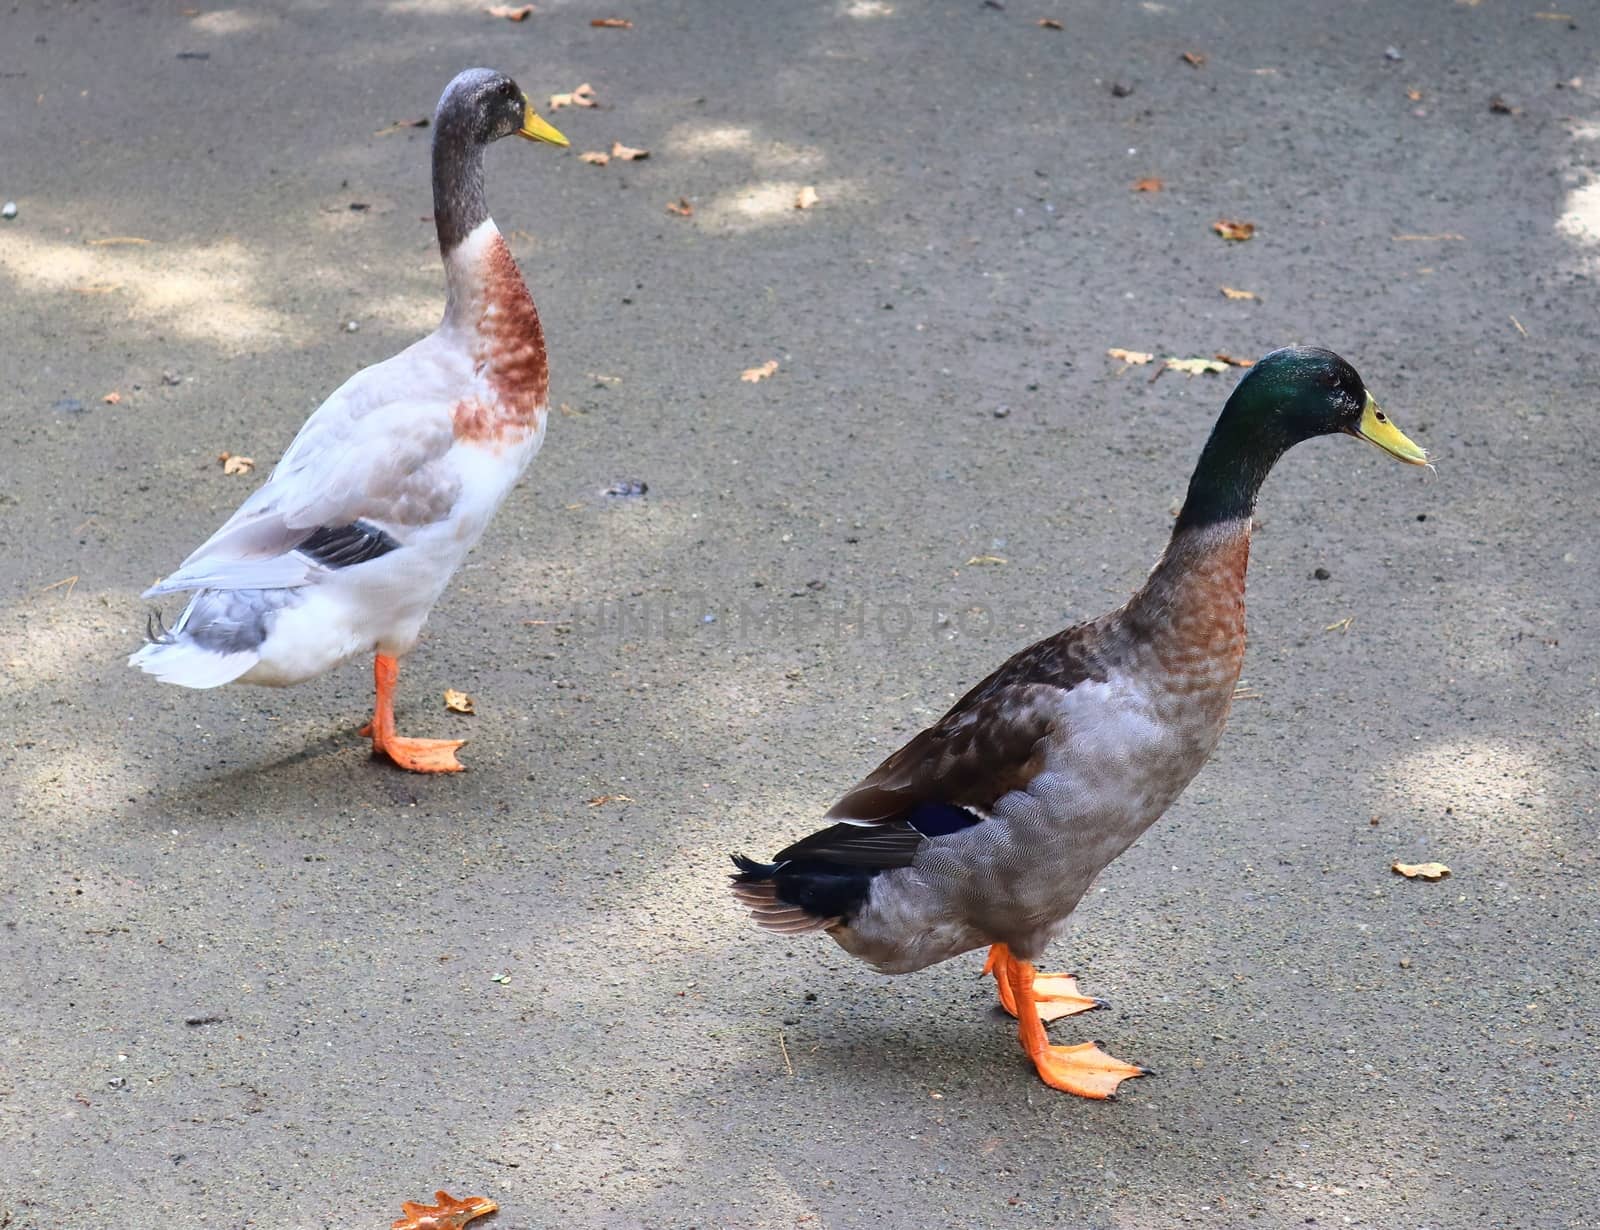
(381,450)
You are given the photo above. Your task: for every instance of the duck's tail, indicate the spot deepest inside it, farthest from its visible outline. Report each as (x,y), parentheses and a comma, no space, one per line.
(216,639)
(791,898)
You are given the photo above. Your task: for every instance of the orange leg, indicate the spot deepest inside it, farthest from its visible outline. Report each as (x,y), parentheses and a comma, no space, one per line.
(1084,1069)
(1057,995)
(417,755)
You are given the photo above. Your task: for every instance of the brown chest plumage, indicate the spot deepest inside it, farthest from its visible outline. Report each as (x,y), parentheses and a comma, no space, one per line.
(509,352)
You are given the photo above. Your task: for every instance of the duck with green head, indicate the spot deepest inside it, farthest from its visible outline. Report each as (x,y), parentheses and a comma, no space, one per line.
(987,828)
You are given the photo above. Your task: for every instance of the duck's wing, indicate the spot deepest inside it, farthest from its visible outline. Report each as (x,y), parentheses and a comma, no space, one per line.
(950,776)
(366,470)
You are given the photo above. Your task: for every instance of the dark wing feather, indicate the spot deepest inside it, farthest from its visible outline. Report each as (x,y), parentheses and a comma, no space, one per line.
(989,743)
(341,546)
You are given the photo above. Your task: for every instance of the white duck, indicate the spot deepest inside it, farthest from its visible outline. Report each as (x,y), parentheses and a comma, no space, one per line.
(347,546)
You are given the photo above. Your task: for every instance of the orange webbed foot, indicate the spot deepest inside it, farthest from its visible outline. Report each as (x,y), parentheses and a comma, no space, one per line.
(1056,995)
(413,755)
(420,755)
(1085,1070)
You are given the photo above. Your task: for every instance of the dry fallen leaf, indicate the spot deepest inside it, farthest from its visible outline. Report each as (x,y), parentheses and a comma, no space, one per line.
(1050,23)
(626,153)
(1129,356)
(448,1214)
(1194,59)
(681,207)
(1149,184)
(520,13)
(399,124)
(595,158)
(112,398)
(994,561)
(582,96)
(806,198)
(1236,231)
(612,23)
(1231,293)
(1421,871)
(1414,95)
(1233,362)
(600,800)
(753,374)
(1196,367)
(232,464)
(458,702)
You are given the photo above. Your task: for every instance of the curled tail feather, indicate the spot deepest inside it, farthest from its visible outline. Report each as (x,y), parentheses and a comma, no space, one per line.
(756,888)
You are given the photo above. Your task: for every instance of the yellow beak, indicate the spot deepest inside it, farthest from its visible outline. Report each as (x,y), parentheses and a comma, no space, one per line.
(1376,427)
(536,129)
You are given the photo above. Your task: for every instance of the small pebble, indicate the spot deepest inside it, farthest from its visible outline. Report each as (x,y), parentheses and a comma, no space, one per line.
(352,326)
(171,378)
(1392,53)
(1405,962)
(628,487)
(68,405)
(1001,412)
(8,210)
(1118,90)
(1321,574)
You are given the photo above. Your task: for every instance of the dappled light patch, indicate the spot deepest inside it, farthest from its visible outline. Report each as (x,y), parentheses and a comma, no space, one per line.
(1492,792)
(765,203)
(231,21)
(1580,215)
(206,292)
(419,313)
(699,140)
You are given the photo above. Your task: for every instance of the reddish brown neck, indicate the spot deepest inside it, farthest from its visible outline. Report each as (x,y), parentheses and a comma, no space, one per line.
(1196,591)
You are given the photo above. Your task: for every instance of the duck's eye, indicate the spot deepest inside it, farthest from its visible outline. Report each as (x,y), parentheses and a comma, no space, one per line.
(1380,416)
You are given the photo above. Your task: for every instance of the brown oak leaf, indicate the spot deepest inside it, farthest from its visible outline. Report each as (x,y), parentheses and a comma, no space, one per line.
(1231,293)
(581,96)
(458,702)
(1050,23)
(611,23)
(681,207)
(806,197)
(600,800)
(1196,367)
(519,13)
(1130,357)
(448,1214)
(1421,871)
(595,158)
(753,374)
(1233,362)
(1238,232)
(626,153)
(1149,184)
(234,464)
(112,398)
(1194,59)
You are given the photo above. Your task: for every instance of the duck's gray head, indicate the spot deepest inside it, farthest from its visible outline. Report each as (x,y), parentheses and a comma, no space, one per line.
(481,105)
(478,107)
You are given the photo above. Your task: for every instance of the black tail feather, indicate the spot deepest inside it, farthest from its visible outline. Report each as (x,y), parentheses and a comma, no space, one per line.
(782,894)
